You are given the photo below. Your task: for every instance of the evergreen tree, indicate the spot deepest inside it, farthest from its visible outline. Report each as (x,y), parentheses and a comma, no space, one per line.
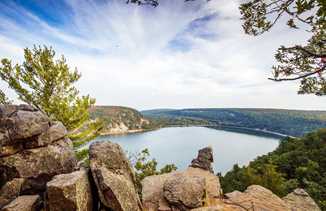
(48,84)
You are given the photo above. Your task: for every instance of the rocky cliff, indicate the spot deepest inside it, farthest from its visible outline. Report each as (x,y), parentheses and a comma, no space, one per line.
(38,171)
(119,120)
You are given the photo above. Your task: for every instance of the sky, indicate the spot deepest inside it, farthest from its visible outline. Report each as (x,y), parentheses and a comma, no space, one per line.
(177,55)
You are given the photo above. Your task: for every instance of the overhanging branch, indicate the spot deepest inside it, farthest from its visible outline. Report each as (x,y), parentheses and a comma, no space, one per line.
(299,77)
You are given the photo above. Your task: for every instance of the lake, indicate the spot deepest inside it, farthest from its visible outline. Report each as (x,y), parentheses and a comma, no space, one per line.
(179,145)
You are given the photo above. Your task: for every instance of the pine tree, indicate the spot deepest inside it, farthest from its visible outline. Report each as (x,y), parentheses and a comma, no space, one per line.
(48,84)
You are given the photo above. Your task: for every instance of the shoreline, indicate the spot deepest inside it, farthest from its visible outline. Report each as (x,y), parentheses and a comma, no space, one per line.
(237,129)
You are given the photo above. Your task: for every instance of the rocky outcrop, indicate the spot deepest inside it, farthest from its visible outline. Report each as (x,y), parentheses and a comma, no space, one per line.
(38,171)
(24,203)
(69,192)
(184,192)
(204,159)
(39,165)
(33,149)
(299,200)
(114,177)
(119,120)
(256,197)
(181,190)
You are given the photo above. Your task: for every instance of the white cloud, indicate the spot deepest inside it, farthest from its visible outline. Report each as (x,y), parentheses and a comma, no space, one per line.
(127,57)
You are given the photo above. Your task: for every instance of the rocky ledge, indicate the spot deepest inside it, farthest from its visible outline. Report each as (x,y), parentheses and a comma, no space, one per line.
(38,171)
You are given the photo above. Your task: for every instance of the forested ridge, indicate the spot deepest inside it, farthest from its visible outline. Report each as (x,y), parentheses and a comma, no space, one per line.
(297,162)
(288,122)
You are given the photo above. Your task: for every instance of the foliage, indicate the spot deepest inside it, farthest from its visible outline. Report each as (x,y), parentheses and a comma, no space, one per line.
(3,98)
(48,84)
(297,162)
(145,167)
(288,122)
(299,62)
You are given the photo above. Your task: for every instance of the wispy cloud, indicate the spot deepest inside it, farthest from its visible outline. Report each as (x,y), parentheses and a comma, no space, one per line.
(179,54)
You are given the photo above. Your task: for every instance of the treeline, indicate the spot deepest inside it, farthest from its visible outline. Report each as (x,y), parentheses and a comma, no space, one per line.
(289,122)
(297,162)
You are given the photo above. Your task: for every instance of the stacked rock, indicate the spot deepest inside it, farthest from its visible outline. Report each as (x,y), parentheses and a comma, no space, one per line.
(33,150)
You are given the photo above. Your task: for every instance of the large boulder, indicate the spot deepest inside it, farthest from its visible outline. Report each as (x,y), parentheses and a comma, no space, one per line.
(256,197)
(39,164)
(24,203)
(8,110)
(204,159)
(114,177)
(184,192)
(54,133)
(26,124)
(153,196)
(10,191)
(152,192)
(299,200)
(69,192)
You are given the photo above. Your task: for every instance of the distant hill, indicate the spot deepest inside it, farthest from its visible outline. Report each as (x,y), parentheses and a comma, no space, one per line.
(119,119)
(288,122)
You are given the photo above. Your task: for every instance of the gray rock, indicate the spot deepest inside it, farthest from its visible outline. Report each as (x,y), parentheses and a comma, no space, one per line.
(115,191)
(40,164)
(114,177)
(8,110)
(26,124)
(204,159)
(10,191)
(112,156)
(69,192)
(299,200)
(24,203)
(184,192)
(152,191)
(54,133)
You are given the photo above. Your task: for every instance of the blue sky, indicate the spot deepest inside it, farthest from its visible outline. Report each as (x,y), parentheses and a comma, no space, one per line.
(176,55)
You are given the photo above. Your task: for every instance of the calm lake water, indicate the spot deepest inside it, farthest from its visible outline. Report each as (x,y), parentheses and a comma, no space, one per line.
(179,145)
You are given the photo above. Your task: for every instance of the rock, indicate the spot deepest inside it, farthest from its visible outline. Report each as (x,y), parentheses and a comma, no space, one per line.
(111,156)
(69,192)
(39,164)
(10,191)
(152,192)
(26,124)
(24,203)
(8,110)
(184,192)
(10,149)
(212,182)
(115,190)
(55,132)
(4,137)
(114,177)
(221,206)
(299,200)
(256,197)
(204,159)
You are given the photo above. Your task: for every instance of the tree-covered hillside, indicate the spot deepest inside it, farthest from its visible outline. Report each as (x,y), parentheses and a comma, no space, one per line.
(119,118)
(297,162)
(288,122)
